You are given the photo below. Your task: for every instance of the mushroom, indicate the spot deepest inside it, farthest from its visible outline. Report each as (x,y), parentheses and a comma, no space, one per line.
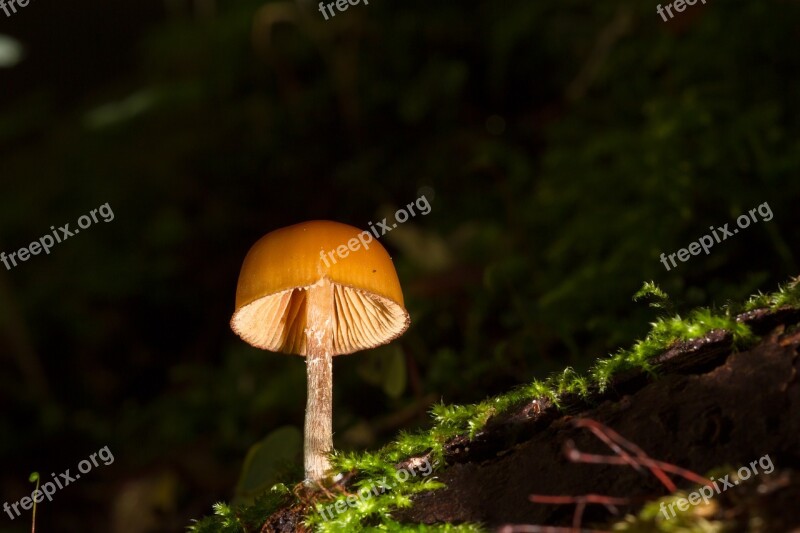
(318,289)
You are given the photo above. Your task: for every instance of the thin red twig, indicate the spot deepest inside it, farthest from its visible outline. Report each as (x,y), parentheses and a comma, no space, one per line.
(608,437)
(577,456)
(626,454)
(606,433)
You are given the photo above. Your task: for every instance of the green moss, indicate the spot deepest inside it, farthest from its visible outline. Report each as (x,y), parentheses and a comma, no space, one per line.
(369,509)
(653,294)
(786,296)
(244,518)
(651,519)
(450,421)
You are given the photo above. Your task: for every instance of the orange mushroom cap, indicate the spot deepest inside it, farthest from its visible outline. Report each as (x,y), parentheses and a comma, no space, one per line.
(279,269)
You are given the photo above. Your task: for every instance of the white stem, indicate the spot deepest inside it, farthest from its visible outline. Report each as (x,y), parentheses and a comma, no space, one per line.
(319,367)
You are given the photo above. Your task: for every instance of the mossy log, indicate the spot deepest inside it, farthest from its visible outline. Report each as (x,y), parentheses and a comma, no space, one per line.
(708,405)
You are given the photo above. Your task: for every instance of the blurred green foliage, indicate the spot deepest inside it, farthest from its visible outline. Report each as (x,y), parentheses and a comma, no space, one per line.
(269,461)
(562,145)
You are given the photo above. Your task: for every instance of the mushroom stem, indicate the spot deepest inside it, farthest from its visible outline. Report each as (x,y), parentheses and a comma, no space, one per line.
(319,367)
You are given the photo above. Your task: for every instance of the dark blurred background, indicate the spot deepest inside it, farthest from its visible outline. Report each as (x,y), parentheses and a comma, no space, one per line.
(563,146)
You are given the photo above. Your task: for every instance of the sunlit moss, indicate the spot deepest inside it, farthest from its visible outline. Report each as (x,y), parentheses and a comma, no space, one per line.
(786,296)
